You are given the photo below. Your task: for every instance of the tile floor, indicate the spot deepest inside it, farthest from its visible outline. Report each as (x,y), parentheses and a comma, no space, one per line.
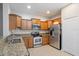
(47,51)
(40,51)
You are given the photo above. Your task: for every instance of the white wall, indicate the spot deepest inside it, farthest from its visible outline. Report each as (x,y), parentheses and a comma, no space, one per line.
(70,11)
(70,29)
(6,11)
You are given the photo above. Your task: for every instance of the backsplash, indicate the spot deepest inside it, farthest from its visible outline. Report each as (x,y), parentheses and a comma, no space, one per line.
(28,31)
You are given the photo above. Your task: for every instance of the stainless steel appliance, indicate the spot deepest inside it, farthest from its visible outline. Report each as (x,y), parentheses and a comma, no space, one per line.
(55,40)
(37,39)
(36,26)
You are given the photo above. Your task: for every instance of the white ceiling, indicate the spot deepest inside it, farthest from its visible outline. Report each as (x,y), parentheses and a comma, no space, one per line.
(38,9)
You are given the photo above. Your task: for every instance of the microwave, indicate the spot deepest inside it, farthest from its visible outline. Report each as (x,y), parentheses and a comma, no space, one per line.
(36,26)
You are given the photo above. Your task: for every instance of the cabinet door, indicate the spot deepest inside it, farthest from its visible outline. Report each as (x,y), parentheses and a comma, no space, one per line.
(24,24)
(26,42)
(45,40)
(36,21)
(50,23)
(30,42)
(44,25)
(29,24)
(18,21)
(12,22)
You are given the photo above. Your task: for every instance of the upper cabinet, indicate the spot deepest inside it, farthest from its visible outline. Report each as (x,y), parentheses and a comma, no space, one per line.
(19,21)
(50,23)
(29,24)
(70,11)
(44,25)
(36,21)
(26,24)
(14,21)
(56,21)
(36,24)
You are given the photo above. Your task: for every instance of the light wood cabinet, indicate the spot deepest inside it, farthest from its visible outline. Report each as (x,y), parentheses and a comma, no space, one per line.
(14,21)
(29,24)
(44,25)
(36,21)
(28,41)
(50,23)
(24,24)
(45,39)
(19,21)
(36,24)
(57,20)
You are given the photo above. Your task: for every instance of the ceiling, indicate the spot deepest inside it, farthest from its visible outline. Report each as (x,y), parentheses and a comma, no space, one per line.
(38,9)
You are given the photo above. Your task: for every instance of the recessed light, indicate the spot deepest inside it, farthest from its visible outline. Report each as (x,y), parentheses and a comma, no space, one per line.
(29,6)
(48,12)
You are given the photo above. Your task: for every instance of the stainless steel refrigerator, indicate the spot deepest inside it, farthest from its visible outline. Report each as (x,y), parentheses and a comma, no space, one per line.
(55,36)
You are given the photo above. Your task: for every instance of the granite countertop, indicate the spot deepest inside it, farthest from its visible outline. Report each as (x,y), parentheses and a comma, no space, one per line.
(16,49)
(27,31)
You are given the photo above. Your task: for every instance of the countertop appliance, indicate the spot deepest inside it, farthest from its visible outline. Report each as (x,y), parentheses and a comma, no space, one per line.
(55,40)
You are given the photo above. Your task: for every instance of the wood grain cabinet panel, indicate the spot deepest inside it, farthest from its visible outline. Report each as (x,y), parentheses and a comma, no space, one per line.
(24,24)
(28,41)
(44,25)
(50,23)
(14,21)
(19,21)
(29,24)
(45,40)
(57,20)
(36,21)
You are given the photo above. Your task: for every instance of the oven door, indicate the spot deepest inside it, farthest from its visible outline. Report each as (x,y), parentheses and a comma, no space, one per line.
(37,40)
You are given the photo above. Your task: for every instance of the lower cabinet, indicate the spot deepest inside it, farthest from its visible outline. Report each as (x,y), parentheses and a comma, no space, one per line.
(45,39)
(28,42)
